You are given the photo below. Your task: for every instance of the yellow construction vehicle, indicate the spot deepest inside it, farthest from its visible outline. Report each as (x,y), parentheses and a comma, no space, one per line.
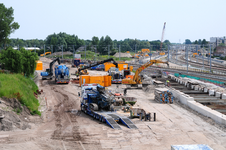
(136,81)
(45,53)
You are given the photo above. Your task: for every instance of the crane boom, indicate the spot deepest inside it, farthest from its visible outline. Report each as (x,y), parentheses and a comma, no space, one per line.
(163,31)
(136,78)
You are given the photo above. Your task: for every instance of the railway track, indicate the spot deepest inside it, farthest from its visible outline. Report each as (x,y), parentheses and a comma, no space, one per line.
(212,76)
(217,67)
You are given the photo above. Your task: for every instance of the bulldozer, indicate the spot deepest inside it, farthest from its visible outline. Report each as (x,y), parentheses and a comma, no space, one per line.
(136,81)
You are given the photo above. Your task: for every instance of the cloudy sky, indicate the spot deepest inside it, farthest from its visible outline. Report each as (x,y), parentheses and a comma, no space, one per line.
(120,19)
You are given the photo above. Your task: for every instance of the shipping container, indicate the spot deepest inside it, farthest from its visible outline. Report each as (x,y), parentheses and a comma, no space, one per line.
(81,79)
(106,83)
(39,65)
(109,80)
(97,80)
(122,66)
(108,66)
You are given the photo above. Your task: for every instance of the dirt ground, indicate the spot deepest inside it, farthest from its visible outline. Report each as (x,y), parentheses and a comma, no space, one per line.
(63,129)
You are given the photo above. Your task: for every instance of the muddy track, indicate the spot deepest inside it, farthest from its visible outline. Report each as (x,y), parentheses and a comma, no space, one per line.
(65,116)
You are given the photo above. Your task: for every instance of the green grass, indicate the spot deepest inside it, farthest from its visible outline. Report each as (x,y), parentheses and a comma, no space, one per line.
(90,56)
(14,83)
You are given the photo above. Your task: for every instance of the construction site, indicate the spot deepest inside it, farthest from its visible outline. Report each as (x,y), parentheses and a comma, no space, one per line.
(146,103)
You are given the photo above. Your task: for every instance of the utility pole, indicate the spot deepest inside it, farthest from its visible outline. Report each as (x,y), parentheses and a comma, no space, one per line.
(168,52)
(85,52)
(18,47)
(187,57)
(44,51)
(210,57)
(73,51)
(95,52)
(135,48)
(35,48)
(108,50)
(52,50)
(119,53)
(62,51)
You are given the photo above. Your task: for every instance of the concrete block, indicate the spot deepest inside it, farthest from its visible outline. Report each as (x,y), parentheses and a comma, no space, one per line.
(218,94)
(223,96)
(196,87)
(211,92)
(205,90)
(192,86)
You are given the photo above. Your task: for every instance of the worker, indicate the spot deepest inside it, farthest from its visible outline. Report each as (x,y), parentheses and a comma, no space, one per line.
(142,113)
(148,116)
(125,91)
(167,83)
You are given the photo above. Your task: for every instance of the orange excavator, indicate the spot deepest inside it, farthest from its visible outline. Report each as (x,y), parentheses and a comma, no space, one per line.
(136,81)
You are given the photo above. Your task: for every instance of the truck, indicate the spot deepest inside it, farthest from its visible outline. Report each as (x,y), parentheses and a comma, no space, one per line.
(97,102)
(48,74)
(116,75)
(76,62)
(62,74)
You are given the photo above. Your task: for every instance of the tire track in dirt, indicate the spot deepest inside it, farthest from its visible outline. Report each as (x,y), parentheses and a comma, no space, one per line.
(64,117)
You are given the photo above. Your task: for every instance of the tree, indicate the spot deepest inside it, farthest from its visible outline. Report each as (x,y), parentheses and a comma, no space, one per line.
(12,60)
(221,44)
(21,61)
(95,40)
(28,61)
(7,25)
(187,41)
(204,42)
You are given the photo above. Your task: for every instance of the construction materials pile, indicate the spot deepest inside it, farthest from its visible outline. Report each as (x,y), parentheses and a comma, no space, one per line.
(123,55)
(163,95)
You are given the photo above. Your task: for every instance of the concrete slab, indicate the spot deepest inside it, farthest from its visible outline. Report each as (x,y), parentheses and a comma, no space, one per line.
(223,96)
(218,94)
(211,92)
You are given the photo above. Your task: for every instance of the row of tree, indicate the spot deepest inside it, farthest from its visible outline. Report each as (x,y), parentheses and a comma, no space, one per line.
(199,42)
(21,61)
(54,42)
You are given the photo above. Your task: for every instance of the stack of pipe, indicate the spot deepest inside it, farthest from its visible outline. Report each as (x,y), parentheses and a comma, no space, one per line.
(163,95)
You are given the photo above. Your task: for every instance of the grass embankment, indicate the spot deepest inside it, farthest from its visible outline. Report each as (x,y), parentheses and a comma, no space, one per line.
(91,56)
(12,84)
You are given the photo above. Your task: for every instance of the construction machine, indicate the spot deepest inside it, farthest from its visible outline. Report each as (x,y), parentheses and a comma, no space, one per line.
(137,81)
(80,70)
(49,72)
(45,53)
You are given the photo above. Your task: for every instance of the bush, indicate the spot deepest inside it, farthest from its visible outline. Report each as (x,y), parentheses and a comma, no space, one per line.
(21,61)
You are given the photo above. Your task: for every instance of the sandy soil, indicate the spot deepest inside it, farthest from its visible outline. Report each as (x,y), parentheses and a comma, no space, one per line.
(63,129)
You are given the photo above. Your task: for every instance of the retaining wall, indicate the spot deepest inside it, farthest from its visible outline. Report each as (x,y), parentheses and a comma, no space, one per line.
(206,111)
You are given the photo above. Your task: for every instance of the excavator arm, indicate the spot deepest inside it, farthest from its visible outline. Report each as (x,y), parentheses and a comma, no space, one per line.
(107,60)
(51,64)
(136,77)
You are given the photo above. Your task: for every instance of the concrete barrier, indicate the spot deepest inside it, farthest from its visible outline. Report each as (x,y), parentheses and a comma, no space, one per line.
(211,92)
(218,94)
(223,96)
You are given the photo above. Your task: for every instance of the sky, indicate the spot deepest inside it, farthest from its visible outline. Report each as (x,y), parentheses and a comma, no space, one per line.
(120,19)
